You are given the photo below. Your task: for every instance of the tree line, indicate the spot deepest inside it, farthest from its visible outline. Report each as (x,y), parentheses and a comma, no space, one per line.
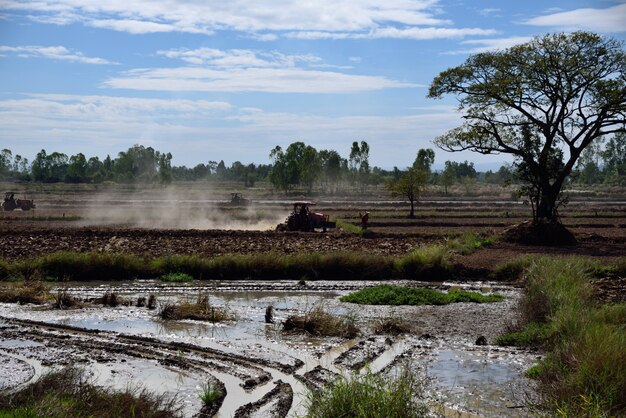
(298,167)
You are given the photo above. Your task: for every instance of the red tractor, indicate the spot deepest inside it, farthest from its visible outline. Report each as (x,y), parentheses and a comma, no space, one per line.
(10,203)
(303,219)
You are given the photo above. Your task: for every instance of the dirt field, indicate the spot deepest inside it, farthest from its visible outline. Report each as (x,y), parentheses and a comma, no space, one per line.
(261,370)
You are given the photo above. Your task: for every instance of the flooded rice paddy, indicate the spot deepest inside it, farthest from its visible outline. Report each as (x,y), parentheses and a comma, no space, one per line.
(264,370)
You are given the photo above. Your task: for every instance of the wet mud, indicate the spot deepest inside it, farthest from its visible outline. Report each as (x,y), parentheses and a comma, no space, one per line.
(261,370)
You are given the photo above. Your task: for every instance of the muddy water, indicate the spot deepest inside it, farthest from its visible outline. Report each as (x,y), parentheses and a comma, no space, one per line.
(483,381)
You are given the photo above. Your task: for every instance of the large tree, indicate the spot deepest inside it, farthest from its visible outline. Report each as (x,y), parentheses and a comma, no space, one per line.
(543,102)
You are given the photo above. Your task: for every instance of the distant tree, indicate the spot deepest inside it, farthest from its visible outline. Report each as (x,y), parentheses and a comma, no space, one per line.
(6,163)
(567,90)
(410,186)
(614,157)
(448,176)
(330,162)
(359,162)
(424,160)
(76,169)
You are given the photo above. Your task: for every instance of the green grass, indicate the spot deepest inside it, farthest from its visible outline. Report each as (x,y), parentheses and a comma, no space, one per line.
(176,277)
(369,396)
(352,228)
(401,295)
(67,393)
(468,242)
(584,371)
(210,394)
(425,263)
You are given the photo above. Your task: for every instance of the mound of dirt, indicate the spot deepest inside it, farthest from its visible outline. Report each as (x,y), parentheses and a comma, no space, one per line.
(539,233)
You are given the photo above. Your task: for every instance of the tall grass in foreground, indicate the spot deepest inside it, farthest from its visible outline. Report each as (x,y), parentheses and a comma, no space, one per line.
(67,393)
(584,372)
(369,396)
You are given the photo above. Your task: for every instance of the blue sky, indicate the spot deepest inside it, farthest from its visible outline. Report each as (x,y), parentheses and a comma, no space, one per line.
(214,79)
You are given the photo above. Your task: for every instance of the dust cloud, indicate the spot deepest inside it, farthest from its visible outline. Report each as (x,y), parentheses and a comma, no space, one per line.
(173,208)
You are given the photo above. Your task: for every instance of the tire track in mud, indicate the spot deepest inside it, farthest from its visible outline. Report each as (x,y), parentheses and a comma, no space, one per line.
(254,375)
(245,382)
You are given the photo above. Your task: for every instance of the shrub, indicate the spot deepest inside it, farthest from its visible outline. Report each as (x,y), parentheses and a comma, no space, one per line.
(425,263)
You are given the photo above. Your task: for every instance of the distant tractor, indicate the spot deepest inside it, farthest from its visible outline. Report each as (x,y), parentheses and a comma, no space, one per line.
(10,203)
(303,219)
(237,200)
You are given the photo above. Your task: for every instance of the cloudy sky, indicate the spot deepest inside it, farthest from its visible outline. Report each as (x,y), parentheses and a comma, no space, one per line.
(214,79)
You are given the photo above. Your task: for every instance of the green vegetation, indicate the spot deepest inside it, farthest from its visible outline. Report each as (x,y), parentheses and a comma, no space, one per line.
(352,228)
(176,277)
(199,310)
(402,295)
(210,394)
(67,393)
(369,395)
(426,263)
(509,108)
(319,322)
(584,372)
(468,242)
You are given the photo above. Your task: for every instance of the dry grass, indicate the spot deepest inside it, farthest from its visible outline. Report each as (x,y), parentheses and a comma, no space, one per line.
(35,292)
(63,300)
(392,325)
(319,322)
(200,310)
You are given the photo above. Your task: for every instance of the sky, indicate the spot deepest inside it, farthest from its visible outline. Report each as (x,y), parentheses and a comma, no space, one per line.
(230,80)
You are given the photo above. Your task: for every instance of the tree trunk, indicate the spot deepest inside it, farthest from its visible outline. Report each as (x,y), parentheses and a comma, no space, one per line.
(546,207)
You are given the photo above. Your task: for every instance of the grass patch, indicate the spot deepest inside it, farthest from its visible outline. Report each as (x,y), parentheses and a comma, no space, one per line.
(67,393)
(35,292)
(468,243)
(392,325)
(352,228)
(176,277)
(319,322)
(511,270)
(426,263)
(64,300)
(210,395)
(402,295)
(199,310)
(584,372)
(367,396)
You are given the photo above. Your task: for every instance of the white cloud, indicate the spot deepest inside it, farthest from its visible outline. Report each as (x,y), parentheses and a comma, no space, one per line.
(59,53)
(611,19)
(490,12)
(487,45)
(242,58)
(262,19)
(269,80)
(388,32)
(196,131)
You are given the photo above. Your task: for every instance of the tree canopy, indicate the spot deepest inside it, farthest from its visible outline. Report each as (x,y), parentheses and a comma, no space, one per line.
(543,102)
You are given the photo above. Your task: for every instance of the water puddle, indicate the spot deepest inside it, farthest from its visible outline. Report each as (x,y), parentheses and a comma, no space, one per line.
(479,381)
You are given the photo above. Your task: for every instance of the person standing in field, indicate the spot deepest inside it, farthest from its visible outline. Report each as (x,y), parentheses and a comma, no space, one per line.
(364,219)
